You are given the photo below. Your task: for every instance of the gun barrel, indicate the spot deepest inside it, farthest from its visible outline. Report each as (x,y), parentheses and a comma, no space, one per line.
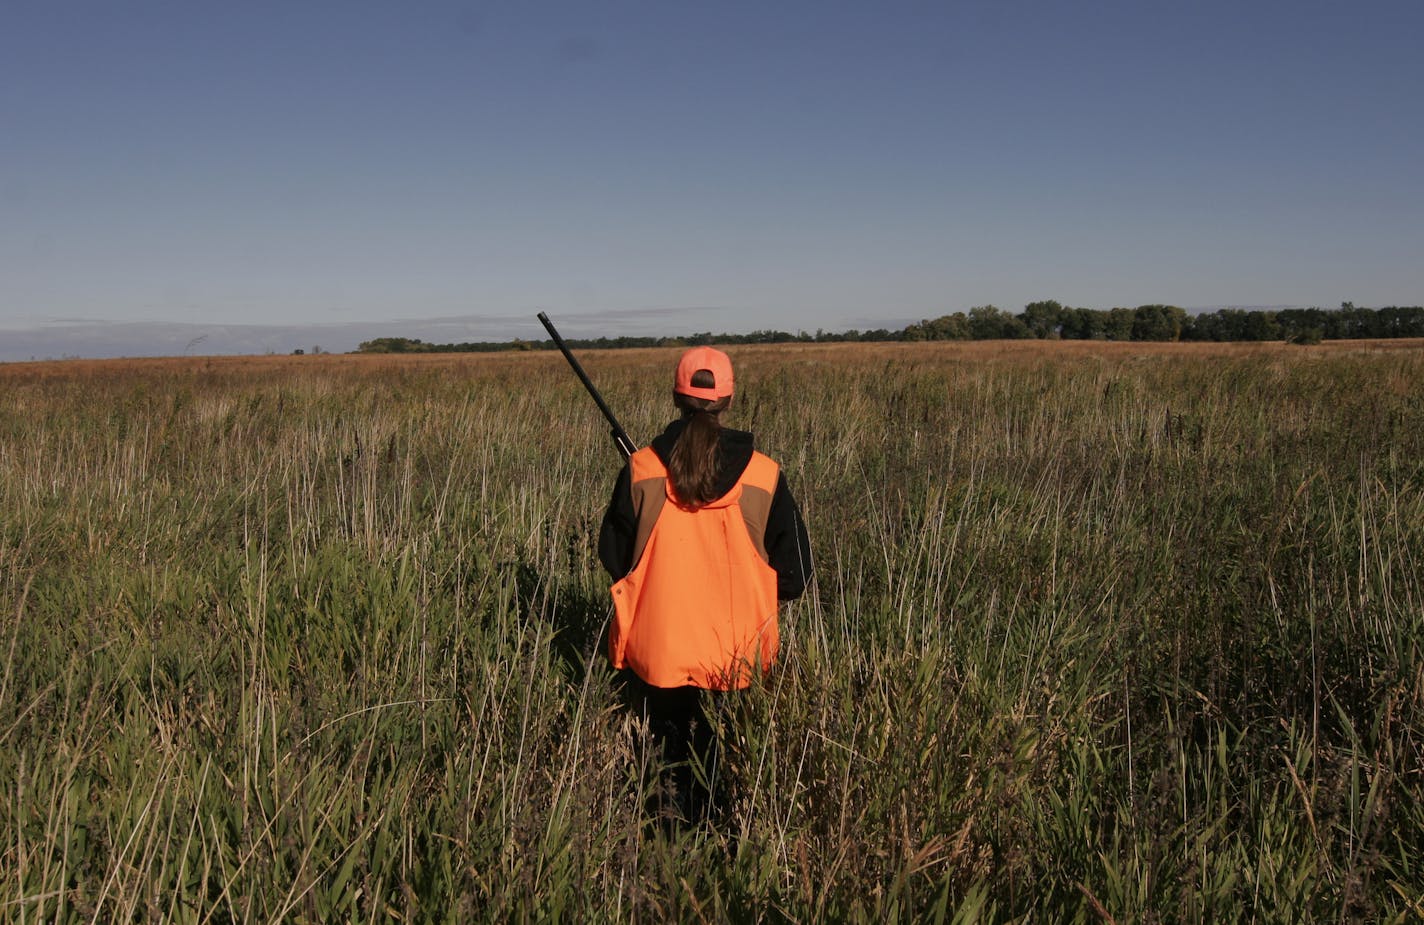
(620,436)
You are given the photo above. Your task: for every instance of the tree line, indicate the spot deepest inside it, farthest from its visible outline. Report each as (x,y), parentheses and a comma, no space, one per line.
(1045,320)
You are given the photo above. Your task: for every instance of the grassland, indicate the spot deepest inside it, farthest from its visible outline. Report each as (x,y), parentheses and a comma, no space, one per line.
(1100,632)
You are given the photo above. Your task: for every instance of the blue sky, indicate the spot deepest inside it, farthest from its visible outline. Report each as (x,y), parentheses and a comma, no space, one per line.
(672,167)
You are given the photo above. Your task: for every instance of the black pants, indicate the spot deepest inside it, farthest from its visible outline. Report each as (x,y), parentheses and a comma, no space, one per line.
(690,785)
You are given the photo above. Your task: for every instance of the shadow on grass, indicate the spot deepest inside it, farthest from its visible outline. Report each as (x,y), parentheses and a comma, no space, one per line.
(579,619)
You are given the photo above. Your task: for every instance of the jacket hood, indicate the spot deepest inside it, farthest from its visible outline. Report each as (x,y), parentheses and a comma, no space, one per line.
(734,452)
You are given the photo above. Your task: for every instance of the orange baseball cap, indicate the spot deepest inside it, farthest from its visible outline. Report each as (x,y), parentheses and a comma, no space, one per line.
(714,361)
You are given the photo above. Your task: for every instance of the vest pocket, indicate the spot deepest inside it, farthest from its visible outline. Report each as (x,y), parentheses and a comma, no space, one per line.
(625,603)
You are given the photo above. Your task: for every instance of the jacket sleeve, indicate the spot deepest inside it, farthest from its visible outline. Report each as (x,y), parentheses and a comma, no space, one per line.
(788,548)
(615,537)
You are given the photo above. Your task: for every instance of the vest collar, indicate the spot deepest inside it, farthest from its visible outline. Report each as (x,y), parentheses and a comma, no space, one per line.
(734,452)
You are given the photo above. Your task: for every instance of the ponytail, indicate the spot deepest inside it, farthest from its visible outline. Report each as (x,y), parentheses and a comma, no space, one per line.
(692,465)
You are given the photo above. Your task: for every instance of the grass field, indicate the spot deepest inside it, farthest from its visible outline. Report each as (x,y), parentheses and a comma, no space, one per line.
(1101,632)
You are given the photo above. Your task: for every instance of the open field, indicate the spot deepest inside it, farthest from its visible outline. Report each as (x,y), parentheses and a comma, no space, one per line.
(1100,631)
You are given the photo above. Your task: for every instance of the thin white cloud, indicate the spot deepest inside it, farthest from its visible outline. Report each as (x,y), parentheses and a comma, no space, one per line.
(88,338)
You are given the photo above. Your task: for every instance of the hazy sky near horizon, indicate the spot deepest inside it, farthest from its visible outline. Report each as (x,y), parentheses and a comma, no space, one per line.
(729,166)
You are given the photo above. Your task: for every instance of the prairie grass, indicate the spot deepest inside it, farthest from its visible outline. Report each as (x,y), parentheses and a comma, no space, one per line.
(1100,632)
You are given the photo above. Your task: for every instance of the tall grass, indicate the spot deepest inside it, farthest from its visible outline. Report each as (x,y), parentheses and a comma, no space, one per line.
(1101,633)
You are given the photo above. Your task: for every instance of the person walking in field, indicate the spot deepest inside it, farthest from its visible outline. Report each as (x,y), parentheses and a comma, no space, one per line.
(703,539)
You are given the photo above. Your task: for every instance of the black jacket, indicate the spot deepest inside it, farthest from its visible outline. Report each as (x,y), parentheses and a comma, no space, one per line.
(788,549)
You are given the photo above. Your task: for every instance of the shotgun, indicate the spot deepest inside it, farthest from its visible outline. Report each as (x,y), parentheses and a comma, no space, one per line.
(625,443)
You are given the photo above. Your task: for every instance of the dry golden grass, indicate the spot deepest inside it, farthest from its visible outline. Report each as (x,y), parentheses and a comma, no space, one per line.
(511,361)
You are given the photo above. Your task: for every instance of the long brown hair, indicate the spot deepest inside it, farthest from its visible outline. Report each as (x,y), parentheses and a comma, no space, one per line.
(692,465)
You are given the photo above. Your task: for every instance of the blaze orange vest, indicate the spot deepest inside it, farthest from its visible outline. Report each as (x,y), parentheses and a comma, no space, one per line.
(699,606)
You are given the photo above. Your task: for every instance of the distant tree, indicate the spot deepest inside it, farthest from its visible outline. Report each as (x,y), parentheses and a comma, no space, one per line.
(987,322)
(1231,324)
(1293,322)
(394,345)
(1083,324)
(1260,326)
(1200,327)
(1118,325)
(1158,322)
(1411,322)
(1358,322)
(953,327)
(1395,321)
(1042,318)
(945,327)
